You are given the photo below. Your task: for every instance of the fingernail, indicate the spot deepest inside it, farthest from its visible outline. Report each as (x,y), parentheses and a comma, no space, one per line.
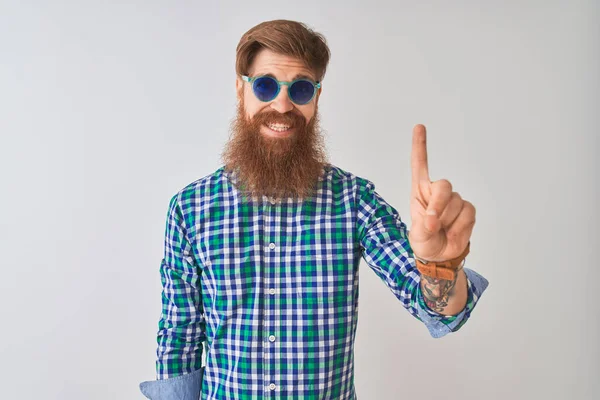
(431,212)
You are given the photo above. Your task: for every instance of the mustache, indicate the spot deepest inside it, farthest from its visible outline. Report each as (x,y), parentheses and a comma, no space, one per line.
(273,117)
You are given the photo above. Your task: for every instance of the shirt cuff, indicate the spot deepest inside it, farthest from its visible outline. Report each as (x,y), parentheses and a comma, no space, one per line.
(440,325)
(182,387)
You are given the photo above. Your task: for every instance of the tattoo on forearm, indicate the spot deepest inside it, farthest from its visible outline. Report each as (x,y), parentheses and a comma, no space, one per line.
(436,292)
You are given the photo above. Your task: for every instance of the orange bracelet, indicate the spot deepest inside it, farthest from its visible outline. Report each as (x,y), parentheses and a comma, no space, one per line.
(442,269)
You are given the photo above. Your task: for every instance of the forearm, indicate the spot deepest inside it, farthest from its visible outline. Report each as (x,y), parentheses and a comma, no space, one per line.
(443,296)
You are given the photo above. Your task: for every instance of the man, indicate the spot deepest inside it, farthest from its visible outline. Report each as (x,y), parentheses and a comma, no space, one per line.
(260,273)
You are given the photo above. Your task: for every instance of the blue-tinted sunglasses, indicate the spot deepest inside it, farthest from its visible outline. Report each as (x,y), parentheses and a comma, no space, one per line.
(266,88)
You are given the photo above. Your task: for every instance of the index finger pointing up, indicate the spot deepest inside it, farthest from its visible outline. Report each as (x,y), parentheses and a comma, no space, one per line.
(420,170)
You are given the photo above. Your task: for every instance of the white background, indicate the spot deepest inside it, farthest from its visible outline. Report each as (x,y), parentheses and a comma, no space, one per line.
(107,109)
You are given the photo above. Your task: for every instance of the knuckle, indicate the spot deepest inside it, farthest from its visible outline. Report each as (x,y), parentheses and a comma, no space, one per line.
(469,208)
(445,184)
(456,197)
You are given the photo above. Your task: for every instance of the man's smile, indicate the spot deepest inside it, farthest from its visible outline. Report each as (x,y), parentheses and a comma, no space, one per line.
(278,130)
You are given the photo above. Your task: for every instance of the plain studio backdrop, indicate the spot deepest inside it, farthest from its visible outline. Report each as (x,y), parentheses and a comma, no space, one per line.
(107,109)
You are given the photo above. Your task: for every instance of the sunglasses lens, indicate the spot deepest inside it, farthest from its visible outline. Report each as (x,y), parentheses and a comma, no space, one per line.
(302,92)
(265,88)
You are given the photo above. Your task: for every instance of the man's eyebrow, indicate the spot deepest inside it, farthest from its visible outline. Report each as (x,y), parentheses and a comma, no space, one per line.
(303,76)
(298,76)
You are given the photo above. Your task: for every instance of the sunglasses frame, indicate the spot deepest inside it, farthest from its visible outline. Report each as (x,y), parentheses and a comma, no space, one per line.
(316,86)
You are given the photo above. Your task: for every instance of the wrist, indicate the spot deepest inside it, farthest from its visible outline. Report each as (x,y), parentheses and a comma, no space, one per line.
(446,270)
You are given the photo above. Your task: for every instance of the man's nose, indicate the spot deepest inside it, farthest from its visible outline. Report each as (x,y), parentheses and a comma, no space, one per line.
(282,102)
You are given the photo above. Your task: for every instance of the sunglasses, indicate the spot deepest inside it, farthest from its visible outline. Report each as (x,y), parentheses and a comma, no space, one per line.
(266,88)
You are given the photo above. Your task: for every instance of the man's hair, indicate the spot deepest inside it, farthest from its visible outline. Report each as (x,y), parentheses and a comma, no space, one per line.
(284,37)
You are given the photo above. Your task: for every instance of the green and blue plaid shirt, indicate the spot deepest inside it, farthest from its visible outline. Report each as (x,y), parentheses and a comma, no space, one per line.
(271,287)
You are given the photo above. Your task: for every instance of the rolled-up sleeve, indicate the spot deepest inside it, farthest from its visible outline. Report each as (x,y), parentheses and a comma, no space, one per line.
(384,239)
(440,325)
(181,387)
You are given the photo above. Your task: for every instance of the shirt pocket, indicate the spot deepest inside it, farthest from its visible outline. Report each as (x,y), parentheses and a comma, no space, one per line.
(329,280)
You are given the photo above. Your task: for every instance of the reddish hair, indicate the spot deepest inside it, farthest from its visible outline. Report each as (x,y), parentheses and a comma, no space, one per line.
(284,37)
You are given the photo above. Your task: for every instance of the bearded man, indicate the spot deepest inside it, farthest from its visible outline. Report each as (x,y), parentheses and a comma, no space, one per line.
(260,271)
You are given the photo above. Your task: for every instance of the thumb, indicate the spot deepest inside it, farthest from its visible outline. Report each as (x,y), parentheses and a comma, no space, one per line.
(432,222)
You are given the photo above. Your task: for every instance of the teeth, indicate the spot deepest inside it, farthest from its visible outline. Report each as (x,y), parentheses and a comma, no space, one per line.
(278,127)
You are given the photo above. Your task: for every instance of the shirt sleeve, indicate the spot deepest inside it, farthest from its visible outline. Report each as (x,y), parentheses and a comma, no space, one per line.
(181,387)
(181,328)
(384,240)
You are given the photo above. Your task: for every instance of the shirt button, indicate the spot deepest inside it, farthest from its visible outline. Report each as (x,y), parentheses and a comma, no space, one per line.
(272,291)
(272,200)
(271,338)
(272,386)
(272,246)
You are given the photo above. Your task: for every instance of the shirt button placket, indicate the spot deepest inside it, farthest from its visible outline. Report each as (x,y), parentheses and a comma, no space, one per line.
(270,261)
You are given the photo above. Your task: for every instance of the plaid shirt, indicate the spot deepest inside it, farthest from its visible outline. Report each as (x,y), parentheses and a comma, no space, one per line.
(271,287)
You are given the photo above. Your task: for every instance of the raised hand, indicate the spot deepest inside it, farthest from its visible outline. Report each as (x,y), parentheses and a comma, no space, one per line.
(442,222)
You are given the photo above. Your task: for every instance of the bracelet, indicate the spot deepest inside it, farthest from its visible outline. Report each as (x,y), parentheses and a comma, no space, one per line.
(443,269)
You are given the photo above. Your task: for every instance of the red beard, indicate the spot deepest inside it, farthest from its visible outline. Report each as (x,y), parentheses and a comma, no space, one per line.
(277,167)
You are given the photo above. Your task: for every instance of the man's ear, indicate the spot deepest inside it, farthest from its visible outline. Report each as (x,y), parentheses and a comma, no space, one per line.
(319,92)
(239,88)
